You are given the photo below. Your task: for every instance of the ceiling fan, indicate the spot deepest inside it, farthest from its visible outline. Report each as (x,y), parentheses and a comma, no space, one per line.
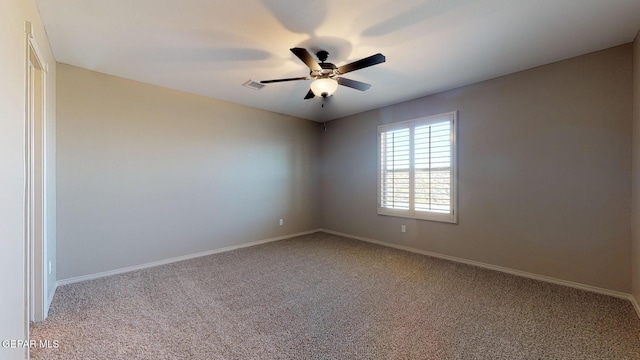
(327,76)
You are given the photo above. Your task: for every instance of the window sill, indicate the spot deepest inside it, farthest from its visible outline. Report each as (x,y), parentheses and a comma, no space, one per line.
(436,217)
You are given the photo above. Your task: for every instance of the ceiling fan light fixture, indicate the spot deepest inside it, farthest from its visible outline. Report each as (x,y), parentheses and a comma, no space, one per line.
(324,87)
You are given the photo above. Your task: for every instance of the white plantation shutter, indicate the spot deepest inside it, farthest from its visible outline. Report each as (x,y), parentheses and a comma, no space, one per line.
(395,169)
(433,167)
(418,168)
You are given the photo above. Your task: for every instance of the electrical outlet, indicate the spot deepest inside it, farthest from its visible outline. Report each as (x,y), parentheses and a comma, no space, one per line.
(281,222)
(403,228)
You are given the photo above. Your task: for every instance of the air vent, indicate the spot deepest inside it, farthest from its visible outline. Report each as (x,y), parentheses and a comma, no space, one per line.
(253,85)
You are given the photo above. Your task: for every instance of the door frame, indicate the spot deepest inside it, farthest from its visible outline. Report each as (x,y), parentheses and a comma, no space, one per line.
(35,180)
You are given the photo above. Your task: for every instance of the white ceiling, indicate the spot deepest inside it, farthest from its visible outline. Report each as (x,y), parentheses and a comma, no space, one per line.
(211,47)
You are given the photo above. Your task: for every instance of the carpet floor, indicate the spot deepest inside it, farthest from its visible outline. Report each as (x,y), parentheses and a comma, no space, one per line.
(322,296)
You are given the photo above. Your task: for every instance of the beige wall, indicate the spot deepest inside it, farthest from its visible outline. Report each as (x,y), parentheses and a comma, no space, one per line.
(146,173)
(635,221)
(13,14)
(544,172)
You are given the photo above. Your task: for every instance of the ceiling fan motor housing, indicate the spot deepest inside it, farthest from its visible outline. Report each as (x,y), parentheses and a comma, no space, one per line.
(326,71)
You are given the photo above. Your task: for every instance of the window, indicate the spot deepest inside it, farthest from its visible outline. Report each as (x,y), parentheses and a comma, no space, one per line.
(417,168)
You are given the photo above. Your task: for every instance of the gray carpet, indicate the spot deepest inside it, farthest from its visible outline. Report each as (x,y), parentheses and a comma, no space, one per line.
(322,296)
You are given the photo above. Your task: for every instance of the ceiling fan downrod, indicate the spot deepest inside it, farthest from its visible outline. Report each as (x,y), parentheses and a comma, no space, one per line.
(322,55)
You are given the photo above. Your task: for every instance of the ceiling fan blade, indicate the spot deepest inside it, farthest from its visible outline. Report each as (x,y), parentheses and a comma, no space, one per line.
(281,80)
(362,63)
(309,95)
(306,58)
(358,85)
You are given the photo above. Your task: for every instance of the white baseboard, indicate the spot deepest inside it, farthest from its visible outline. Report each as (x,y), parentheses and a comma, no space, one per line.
(634,302)
(594,289)
(176,259)
(50,300)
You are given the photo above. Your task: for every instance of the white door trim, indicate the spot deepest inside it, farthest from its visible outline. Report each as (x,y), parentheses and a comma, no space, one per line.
(35,177)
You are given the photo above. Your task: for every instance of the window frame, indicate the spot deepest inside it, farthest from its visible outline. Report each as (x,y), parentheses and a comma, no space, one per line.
(452,216)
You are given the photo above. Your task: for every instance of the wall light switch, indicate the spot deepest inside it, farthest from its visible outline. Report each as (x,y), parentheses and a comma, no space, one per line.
(281,222)
(403,228)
